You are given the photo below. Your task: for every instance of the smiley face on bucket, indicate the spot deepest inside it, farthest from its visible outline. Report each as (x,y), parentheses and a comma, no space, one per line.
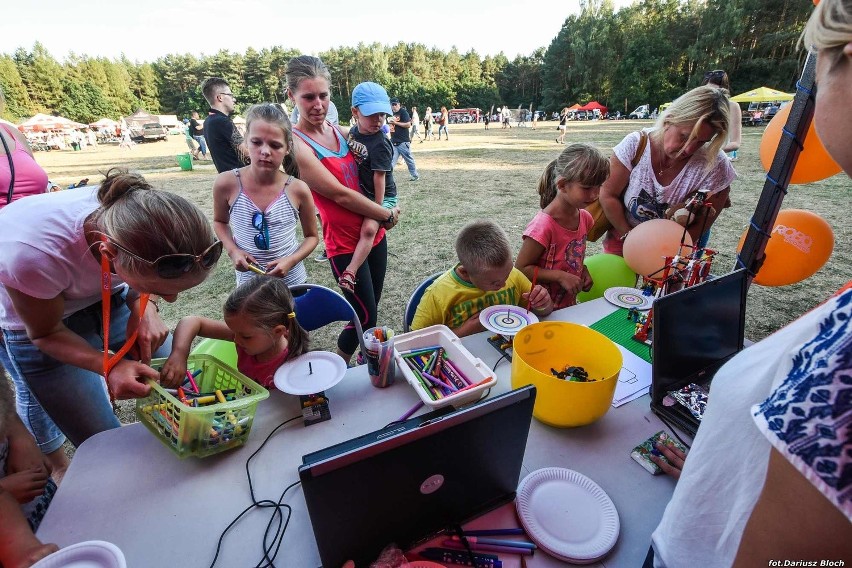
(548,332)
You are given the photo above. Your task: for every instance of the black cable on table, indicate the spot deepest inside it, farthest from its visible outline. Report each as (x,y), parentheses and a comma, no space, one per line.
(277,513)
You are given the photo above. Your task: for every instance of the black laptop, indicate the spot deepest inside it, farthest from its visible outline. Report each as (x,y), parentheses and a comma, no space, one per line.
(408,481)
(696,331)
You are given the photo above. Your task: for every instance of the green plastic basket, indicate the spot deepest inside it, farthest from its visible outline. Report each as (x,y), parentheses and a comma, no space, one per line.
(204,430)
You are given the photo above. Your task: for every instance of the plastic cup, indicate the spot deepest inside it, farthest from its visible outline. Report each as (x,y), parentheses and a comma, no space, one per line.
(381,364)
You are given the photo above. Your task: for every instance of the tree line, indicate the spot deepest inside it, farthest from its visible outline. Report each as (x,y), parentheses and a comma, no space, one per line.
(648,53)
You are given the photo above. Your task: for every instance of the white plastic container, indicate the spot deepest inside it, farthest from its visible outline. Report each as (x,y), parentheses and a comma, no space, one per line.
(471,367)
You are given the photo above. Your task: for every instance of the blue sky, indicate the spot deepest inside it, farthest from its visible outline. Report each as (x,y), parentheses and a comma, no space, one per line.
(147,30)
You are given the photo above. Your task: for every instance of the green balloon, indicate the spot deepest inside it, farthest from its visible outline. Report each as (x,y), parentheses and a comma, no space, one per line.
(608,271)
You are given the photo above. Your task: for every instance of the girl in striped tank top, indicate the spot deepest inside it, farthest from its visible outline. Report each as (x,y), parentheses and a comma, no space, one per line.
(256,208)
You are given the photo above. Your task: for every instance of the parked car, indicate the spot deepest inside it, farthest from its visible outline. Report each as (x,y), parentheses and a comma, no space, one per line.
(641,112)
(153,131)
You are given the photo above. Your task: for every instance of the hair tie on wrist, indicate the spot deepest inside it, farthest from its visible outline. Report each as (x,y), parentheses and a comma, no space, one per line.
(291,315)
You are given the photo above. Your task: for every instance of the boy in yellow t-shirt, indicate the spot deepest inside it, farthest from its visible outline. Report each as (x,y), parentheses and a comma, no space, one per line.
(484,277)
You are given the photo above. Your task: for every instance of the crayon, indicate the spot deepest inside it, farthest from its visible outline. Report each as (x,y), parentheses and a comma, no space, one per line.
(410,412)
(195,373)
(455,545)
(255,268)
(432,380)
(438,383)
(192,381)
(452,374)
(420,350)
(221,398)
(181,396)
(433,392)
(498,542)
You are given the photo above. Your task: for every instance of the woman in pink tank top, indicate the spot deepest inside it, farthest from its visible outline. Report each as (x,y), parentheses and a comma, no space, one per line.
(328,167)
(16,156)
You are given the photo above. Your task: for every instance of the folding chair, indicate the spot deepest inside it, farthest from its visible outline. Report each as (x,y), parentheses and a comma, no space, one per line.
(414,301)
(317,306)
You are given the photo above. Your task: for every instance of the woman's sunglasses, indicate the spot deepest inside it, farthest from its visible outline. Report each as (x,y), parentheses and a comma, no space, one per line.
(261,239)
(170,266)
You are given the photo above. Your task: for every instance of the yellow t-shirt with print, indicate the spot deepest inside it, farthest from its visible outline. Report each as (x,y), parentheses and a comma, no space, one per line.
(451,301)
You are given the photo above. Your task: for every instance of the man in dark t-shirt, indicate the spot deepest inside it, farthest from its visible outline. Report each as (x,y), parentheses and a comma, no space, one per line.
(221,134)
(400,123)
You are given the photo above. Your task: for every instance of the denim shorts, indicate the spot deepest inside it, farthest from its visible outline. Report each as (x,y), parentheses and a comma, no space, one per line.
(55,399)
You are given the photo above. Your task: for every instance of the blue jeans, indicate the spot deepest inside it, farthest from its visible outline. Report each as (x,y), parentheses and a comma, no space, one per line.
(446,132)
(55,398)
(202,143)
(404,149)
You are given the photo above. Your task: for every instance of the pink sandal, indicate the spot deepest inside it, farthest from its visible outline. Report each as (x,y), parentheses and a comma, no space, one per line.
(347,281)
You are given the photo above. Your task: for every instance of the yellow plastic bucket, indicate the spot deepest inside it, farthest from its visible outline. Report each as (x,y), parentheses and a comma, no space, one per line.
(543,346)
(184,161)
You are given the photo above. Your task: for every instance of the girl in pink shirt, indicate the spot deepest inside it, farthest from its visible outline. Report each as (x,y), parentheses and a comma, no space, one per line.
(554,243)
(259,318)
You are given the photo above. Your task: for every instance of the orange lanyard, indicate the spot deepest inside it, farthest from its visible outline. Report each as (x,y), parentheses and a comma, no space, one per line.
(106,304)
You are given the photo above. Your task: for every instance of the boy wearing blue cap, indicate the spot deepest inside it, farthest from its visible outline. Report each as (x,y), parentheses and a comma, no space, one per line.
(373,152)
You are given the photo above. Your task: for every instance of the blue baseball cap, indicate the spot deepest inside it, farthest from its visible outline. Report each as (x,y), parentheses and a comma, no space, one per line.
(371,98)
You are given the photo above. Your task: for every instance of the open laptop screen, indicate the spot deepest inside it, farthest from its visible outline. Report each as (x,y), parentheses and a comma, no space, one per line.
(408,486)
(696,330)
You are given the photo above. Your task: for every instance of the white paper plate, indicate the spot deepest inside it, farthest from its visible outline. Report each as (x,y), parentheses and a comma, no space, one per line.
(506,320)
(310,373)
(625,297)
(567,514)
(91,554)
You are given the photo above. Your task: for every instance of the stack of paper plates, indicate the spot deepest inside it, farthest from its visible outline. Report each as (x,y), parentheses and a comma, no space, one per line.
(567,515)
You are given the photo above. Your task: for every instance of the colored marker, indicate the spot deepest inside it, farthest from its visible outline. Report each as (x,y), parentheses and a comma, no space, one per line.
(449,543)
(255,268)
(420,350)
(439,383)
(192,381)
(498,542)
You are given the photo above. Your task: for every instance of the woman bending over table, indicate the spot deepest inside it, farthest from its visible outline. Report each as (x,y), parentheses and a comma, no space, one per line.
(75,260)
(329,168)
(681,157)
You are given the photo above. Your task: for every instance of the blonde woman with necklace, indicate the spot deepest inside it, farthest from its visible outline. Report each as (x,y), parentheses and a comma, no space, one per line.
(683,155)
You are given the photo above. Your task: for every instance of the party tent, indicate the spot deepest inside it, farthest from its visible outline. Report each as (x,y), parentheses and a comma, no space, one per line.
(762,95)
(575,106)
(104,123)
(593,105)
(44,122)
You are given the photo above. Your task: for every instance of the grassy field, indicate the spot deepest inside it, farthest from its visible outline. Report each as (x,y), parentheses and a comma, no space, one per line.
(486,174)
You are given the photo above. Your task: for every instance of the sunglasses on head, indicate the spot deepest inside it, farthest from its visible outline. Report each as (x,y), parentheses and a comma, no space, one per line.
(170,266)
(261,239)
(717,75)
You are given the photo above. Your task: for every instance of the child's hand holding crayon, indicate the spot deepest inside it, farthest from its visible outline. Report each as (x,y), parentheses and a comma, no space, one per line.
(173,372)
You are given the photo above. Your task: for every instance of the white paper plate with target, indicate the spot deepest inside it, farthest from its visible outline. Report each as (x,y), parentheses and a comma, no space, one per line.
(506,320)
(625,297)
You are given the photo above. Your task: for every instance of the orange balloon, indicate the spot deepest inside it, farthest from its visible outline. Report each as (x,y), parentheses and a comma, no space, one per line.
(814,162)
(648,244)
(800,244)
